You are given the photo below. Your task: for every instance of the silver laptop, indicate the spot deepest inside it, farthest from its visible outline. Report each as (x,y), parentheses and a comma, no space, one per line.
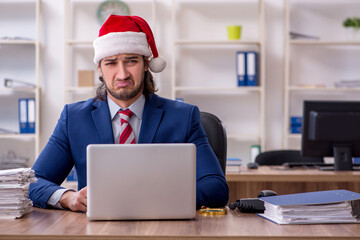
(141,181)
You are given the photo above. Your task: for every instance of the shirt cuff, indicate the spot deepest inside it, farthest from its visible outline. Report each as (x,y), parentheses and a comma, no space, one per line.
(55,198)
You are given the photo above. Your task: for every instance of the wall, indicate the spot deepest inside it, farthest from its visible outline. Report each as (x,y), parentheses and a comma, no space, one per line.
(53,54)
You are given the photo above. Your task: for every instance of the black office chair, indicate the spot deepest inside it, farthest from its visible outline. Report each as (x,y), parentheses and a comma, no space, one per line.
(216,134)
(279,157)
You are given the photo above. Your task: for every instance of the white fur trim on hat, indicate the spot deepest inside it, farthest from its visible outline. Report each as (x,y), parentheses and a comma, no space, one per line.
(121,42)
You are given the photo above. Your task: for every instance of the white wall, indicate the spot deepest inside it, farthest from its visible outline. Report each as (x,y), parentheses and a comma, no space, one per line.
(52,99)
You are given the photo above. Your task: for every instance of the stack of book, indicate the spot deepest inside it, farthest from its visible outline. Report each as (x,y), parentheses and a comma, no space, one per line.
(14,191)
(233,165)
(333,206)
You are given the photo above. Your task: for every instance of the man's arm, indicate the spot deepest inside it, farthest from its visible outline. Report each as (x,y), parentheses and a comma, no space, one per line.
(52,166)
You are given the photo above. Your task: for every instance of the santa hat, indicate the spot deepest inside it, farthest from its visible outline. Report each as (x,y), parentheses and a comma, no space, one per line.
(127,34)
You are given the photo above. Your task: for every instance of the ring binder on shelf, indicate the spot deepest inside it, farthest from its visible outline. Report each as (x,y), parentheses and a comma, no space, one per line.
(23,115)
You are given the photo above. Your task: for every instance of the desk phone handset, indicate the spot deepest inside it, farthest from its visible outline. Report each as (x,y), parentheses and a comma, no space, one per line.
(252,205)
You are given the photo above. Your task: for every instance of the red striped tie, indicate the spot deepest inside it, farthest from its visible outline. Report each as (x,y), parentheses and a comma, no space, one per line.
(126,131)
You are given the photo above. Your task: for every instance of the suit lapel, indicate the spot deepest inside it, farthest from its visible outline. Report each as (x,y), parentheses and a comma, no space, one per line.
(102,121)
(151,119)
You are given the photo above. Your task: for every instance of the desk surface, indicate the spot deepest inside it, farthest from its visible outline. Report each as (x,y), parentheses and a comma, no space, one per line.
(62,224)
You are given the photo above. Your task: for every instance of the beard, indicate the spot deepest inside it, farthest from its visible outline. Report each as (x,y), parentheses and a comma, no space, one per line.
(125,94)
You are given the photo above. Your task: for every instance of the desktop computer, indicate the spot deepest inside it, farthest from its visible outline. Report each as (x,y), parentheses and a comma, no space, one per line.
(332,129)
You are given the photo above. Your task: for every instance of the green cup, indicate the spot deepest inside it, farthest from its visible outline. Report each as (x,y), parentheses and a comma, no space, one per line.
(234,32)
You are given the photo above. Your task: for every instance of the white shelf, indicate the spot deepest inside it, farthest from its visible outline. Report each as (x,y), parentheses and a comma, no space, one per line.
(18,136)
(79,42)
(243,137)
(79,89)
(215,42)
(323,89)
(219,90)
(17,89)
(324,43)
(294,136)
(20,42)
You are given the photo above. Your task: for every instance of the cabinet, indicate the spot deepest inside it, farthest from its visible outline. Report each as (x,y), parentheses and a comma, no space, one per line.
(314,67)
(81,29)
(204,66)
(20,43)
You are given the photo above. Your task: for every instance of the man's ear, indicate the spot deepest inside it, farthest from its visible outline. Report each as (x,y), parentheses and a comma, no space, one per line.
(99,69)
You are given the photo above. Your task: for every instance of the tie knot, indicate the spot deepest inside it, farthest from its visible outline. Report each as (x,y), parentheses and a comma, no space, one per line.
(125,114)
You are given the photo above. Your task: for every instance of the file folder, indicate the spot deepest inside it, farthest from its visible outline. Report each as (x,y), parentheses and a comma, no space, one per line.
(241,68)
(31,115)
(23,115)
(252,68)
(331,206)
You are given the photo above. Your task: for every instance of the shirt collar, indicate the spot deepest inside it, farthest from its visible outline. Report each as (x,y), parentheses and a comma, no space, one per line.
(137,107)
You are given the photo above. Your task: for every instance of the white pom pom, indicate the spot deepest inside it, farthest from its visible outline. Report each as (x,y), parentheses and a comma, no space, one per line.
(158,64)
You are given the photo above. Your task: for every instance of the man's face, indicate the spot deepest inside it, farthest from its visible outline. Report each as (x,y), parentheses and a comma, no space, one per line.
(124,77)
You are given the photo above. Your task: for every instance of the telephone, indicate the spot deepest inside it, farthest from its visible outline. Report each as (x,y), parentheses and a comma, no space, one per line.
(252,205)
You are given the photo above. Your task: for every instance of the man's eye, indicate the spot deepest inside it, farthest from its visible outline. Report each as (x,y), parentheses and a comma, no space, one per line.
(110,63)
(132,61)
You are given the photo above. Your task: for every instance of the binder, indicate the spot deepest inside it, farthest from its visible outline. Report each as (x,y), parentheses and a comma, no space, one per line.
(252,68)
(23,115)
(31,115)
(295,129)
(254,151)
(332,206)
(241,68)
(296,121)
(295,124)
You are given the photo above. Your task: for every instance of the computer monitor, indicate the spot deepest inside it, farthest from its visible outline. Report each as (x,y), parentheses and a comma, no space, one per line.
(332,129)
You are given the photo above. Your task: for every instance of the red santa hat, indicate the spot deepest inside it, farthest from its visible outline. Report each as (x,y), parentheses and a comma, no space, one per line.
(127,34)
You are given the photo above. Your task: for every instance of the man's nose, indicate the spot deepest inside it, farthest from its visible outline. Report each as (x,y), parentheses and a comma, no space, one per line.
(122,72)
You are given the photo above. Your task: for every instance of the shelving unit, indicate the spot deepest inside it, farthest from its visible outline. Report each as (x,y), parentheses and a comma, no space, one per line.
(204,66)
(78,41)
(20,45)
(312,67)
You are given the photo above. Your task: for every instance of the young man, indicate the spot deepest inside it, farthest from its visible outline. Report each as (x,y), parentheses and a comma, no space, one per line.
(122,53)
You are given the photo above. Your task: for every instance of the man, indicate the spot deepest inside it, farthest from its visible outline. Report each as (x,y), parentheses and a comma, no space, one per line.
(122,53)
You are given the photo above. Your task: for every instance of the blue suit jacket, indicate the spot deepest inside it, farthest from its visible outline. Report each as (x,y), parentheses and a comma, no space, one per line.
(88,122)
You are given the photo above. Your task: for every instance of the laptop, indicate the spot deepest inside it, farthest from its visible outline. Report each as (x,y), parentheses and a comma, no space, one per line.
(141,181)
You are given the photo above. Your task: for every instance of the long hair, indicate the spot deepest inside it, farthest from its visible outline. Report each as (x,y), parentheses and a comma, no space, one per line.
(149,85)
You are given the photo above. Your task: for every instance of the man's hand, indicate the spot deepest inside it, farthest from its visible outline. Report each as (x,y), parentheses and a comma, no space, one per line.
(75,201)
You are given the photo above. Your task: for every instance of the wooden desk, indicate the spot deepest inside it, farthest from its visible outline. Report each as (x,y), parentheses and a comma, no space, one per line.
(249,182)
(62,224)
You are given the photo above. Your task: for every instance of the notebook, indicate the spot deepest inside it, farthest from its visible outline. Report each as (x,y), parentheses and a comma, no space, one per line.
(141,181)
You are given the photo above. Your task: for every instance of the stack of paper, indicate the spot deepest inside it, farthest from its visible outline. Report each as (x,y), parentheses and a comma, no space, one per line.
(348,83)
(9,161)
(295,35)
(14,190)
(334,206)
